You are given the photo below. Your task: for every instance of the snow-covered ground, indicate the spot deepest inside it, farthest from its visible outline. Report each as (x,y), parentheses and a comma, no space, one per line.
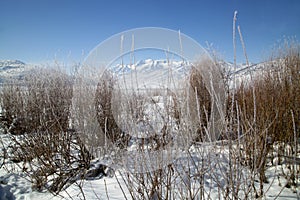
(212,160)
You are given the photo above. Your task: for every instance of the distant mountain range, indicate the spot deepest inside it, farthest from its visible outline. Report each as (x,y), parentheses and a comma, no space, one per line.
(149,65)
(149,71)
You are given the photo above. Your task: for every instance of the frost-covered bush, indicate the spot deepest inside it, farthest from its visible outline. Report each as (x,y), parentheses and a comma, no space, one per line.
(36,111)
(39,102)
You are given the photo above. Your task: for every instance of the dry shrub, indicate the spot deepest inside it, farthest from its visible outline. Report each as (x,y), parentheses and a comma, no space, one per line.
(203,102)
(206,99)
(267,108)
(156,184)
(51,160)
(36,112)
(41,102)
(104,111)
(12,107)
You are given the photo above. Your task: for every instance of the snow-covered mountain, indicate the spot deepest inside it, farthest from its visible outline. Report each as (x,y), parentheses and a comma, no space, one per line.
(149,65)
(11,64)
(13,69)
(150,73)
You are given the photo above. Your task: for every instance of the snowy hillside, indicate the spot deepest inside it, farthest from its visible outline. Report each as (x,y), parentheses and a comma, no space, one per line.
(11,64)
(12,69)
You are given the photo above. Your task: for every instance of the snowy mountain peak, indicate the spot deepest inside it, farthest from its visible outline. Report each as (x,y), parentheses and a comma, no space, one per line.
(150,73)
(12,69)
(9,64)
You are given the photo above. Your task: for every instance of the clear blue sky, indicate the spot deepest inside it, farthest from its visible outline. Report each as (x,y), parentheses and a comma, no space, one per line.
(38,30)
